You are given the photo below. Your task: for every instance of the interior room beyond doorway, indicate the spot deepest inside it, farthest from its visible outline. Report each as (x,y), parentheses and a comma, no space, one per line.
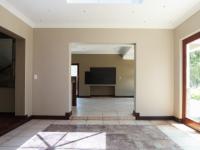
(106,79)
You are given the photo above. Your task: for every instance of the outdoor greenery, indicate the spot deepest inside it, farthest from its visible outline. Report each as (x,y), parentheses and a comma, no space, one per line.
(196,97)
(195,74)
(195,93)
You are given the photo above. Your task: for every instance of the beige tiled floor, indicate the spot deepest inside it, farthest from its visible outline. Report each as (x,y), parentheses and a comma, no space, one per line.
(184,136)
(98,112)
(103,107)
(128,117)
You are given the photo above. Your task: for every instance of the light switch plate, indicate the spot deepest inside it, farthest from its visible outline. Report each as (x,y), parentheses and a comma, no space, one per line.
(35,77)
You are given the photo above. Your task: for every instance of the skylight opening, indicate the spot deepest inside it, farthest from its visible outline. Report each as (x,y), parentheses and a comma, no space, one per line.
(104,1)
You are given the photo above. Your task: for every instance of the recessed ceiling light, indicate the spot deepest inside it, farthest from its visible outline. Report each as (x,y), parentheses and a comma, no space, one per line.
(164,6)
(84,11)
(49,10)
(104,1)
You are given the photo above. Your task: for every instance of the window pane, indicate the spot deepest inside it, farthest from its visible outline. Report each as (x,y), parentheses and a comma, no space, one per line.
(74,70)
(193,81)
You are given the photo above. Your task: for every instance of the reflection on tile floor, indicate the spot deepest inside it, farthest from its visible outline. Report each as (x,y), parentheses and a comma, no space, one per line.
(182,135)
(103,107)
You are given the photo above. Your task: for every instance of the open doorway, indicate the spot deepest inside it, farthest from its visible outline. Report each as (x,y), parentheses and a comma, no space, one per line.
(106,79)
(12,81)
(7,74)
(75,83)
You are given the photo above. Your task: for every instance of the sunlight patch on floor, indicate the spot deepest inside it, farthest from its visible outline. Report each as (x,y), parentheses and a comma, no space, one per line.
(66,140)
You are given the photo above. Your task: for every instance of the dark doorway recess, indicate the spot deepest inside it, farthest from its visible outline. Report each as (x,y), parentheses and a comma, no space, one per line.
(7,61)
(7,74)
(12,81)
(75,82)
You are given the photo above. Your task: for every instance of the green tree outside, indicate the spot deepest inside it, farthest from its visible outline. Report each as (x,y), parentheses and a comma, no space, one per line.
(195,74)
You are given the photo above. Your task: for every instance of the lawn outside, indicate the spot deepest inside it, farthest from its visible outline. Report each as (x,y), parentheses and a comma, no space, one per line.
(195,93)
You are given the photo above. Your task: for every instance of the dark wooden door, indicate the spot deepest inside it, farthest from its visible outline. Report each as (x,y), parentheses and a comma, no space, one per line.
(74,80)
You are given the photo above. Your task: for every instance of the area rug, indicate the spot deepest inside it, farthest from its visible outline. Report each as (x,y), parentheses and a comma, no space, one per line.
(101,137)
(114,137)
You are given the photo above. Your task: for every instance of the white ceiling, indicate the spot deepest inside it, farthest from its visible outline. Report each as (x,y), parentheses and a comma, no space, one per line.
(57,13)
(125,50)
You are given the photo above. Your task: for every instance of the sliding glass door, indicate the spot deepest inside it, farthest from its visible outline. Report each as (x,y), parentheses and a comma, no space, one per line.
(191,81)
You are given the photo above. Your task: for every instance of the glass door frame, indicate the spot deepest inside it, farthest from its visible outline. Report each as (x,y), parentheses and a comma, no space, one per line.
(186,120)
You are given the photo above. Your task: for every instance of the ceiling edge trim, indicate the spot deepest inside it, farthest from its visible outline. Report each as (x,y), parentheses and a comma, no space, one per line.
(17,13)
(102,26)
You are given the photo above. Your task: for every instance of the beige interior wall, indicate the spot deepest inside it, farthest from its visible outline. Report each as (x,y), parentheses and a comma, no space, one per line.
(154,67)
(188,28)
(51,92)
(124,72)
(155,77)
(102,90)
(20,30)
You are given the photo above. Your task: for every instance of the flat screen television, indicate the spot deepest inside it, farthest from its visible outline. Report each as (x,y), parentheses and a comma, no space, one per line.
(100,75)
